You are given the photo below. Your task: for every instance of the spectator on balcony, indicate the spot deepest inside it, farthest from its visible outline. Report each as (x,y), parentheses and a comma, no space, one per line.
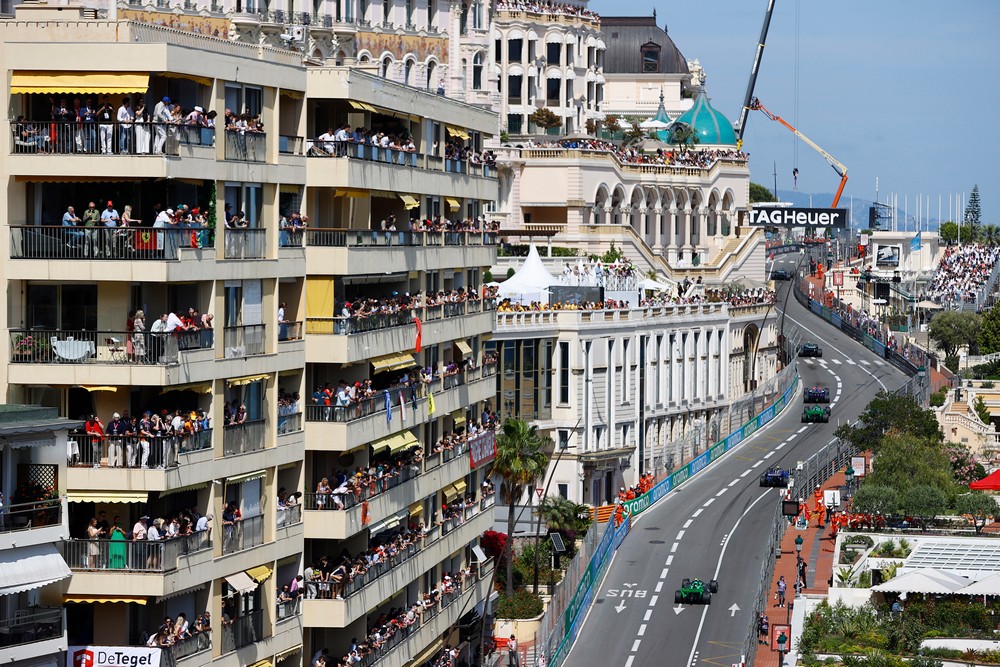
(117,429)
(94,533)
(143,137)
(125,117)
(87,118)
(74,237)
(95,431)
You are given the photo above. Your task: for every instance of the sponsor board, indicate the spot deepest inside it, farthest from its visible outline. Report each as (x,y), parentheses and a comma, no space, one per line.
(798,217)
(482,448)
(112,656)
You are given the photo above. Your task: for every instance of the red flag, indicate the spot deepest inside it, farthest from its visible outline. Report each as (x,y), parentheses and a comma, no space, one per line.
(420,334)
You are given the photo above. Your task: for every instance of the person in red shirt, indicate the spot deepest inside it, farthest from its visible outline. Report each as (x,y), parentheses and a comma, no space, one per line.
(95,429)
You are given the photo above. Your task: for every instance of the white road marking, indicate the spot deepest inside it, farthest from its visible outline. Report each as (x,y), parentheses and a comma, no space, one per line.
(781,445)
(840,385)
(673,547)
(768,455)
(659,587)
(791,437)
(635,645)
(802,429)
(731,484)
(866,362)
(721,491)
(649,612)
(709,502)
(670,559)
(879,363)
(756,464)
(680,535)
(837,361)
(833,404)
(628,663)
(840,352)
(697,512)
(663,575)
(745,473)
(653,600)
(642,630)
(851,362)
(688,523)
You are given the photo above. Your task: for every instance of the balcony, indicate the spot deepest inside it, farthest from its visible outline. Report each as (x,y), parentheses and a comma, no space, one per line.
(352,339)
(399,157)
(246,437)
(129,462)
(419,481)
(243,631)
(184,648)
(68,139)
(433,623)
(244,341)
(353,251)
(246,146)
(28,524)
(289,515)
(245,243)
(32,632)
(242,535)
(105,243)
(342,428)
(124,556)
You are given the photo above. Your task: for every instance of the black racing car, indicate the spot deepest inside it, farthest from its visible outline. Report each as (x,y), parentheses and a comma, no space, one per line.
(775,477)
(781,274)
(810,350)
(696,591)
(817,394)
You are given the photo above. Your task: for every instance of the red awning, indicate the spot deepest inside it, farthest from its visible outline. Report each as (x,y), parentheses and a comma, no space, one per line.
(990,483)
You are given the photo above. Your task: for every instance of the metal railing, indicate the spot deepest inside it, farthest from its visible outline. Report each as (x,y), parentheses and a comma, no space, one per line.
(290,237)
(107,555)
(334,501)
(289,145)
(114,138)
(245,243)
(243,631)
(245,437)
(133,451)
(289,331)
(404,158)
(105,243)
(289,423)
(289,515)
(287,610)
(354,324)
(372,238)
(246,146)
(29,516)
(188,646)
(243,341)
(243,534)
(27,626)
(52,346)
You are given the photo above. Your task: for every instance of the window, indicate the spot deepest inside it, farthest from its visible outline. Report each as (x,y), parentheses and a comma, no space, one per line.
(386,11)
(515,48)
(463,21)
(477,15)
(386,66)
(514,89)
(244,99)
(431,12)
(477,71)
(430,75)
(409,12)
(498,51)
(563,439)
(564,372)
(553,53)
(408,73)
(552,88)
(363,9)
(650,57)
(563,490)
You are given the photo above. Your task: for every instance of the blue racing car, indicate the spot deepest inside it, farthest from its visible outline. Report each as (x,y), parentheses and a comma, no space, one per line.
(816,394)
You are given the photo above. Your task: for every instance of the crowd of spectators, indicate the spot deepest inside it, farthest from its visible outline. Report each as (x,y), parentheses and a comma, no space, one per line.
(664,157)
(546,8)
(621,275)
(184,523)
(288,405)
(152,440)
(338,143)
(173,631)
(181,227)
(962,272)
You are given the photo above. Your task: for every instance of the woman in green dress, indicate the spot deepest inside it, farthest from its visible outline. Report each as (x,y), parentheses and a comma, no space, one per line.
(118,552)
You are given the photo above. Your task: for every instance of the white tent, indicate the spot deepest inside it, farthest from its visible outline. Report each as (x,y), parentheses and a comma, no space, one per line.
(530,283)
(988,586)
(928,581)
(656,286)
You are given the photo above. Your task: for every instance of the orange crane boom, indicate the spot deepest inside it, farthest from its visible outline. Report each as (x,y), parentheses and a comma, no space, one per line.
(838,166)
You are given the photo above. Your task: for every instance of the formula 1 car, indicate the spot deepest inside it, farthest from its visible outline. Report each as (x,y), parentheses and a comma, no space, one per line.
(696,591)
(815,414)
(810,350)
(816,394)
(781,274)
(775,477)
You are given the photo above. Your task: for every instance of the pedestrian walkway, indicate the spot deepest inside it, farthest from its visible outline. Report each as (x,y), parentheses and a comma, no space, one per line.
(817,552)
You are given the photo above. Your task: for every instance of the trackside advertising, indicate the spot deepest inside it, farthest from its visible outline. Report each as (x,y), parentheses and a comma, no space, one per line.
(112,656)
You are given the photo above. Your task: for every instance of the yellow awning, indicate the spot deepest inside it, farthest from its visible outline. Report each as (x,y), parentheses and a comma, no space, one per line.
(459,419)
(250,379)
(460,486)
(53,178)
(107,496)
(262,663)
(95,83)
(463,347)
(416,509)
(351,192)
(181,489)
(290,188)
(391,362)
(385,443)
(428,652)
(357,105)
(260,574)
(93,388)
(131,599)
(450,493)
(203,80)
(197,387)
(458,132)
(319,297)
(287,653)
(409,201)
(403,441)
(453,203)
(294,94)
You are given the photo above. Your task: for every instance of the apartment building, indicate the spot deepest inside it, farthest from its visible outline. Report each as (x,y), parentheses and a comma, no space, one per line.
(275,294)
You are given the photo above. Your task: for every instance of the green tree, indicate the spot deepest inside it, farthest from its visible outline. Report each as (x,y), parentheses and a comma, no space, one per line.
(923,502)
(948,232)
(991,235)
(983,412)
(973,211)
(614,254)
(952,330)
(904,461)
(634,133)
(564,515)
(887,412)
(684,135)
(758,193)
(979,506)
(520,463)
(875,499)
(612,125)
(989,331)
(545,118)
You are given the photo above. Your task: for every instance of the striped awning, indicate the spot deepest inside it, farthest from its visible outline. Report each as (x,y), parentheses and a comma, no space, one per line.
(107,496)
(453,203)
(409,201)
(260,574)
(392,362)
(250,379)
(30,567)
(94,599)
(463,347)
(458,132)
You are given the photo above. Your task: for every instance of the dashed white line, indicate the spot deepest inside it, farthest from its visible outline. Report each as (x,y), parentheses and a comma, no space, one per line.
(801,430)
(670,559)
(649,612)
(673,547)
(721,491)
(697,512)
(635,645)
(768,455)
(852,362)
(652,600)
(732,484)
(628,663)
(833,404)
(745,473)
(642,630)
(840,385)
(659,587)
(780,446)
(680,535)
(688,523)
(757,464)
(791,437)
(879,363)
(866,362)
(837,361)
(708,502)
(663,575)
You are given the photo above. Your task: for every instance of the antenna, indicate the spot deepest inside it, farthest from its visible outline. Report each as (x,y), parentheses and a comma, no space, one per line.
(775,181)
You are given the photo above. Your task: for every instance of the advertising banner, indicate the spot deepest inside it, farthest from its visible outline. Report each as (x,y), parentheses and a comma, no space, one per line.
(887,255)
(799,217)
(482,448)
(112,656)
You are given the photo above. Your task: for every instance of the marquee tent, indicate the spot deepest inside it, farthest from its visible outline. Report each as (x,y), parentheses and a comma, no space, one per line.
(530,283)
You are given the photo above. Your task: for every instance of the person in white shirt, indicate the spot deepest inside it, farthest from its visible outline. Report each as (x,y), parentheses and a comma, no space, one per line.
(125,118)
(173,323)
(341,134)
(202,523)
(326,141)
(161,115)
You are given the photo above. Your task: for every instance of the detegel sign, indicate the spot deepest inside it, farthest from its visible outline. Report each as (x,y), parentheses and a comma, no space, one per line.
(798,217)
(112,656)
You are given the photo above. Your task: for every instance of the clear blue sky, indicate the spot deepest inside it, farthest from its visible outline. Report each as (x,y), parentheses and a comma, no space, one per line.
(905,91)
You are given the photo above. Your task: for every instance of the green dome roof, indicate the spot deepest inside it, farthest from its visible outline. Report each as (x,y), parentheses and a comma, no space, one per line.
(710,125)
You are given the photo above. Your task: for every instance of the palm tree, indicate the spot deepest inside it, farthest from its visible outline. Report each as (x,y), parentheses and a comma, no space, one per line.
(564,515)
(520,462)
(991,234)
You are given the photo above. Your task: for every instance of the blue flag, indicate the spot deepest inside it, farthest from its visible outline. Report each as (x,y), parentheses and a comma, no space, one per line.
(388,407)
(915,243)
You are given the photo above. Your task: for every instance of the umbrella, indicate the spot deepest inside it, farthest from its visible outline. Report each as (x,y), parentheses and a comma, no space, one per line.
(653,124)
(929,305)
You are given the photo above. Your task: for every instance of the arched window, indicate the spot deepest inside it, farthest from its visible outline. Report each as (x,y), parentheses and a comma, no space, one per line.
(386,64)
(477,71)
(408,73)
(650,57)
(430,75)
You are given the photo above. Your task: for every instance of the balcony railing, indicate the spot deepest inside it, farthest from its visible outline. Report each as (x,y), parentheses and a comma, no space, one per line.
(289,331)
(289,423)
(395,156)
(93,138)
(376,404)
(244,341)
(244,534)
(57,346)
(353,238)
(27,626)
(243,631)
(400,476)
(291,145)
(188,646)
(245,437)
(246,243)
(29,516)
(105,243)
(109,555)
(289,515)
(129,451)
(290,238)
(246,146)
(287,610)
(355,324)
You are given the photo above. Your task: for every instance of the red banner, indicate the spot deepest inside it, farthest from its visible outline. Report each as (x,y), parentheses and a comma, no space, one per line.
(482,448)
(144,239)
(420,335)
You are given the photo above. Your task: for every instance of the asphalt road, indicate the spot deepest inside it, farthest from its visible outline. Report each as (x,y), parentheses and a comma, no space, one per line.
(716,525)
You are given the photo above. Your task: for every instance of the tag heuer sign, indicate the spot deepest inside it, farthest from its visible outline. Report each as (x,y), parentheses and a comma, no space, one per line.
(798,217)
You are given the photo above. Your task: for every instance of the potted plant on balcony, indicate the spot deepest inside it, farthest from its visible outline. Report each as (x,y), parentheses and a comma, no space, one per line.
(28,348)
(45,498)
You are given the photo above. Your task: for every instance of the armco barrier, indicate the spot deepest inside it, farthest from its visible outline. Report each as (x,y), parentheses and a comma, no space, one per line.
(699,463)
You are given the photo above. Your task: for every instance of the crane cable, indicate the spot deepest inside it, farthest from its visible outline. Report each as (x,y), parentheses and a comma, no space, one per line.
(795,103)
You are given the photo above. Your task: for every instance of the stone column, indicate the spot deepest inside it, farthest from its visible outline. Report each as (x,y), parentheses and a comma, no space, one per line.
(609,215)
(643,221)
(718,228)
(671,230)
(455,73)
(702,249)
(657,225)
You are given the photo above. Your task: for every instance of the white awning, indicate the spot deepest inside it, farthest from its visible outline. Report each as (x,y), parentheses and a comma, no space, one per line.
(988,586)
(591,40)
(601,46)
(600,78)
(927,581)
(515,70)
(242,582)
(553,73)
(570,38)
(570,75)
(29,442)
(591,75)
(514,33)
(554,38)
(532,35)
(25,568)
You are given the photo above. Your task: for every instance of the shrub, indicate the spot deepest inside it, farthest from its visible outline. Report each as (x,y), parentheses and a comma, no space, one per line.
(493,544)
(523,604)
(860,539)
(487,276)
(938,397)
(952,361)
(511,272)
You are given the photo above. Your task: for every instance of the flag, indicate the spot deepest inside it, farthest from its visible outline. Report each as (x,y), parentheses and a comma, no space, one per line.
(388,407)
(430,402)
(402,406)
(915,243)
(420,334)
(365,516)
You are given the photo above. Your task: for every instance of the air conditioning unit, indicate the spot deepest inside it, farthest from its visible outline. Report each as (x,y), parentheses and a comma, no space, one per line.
(298,33)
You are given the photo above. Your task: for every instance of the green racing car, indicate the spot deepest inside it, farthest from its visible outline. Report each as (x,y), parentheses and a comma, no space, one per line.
(815,414)
(696,591)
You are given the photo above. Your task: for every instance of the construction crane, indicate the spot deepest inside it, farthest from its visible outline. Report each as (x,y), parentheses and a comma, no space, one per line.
(751,84)
(838,166)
